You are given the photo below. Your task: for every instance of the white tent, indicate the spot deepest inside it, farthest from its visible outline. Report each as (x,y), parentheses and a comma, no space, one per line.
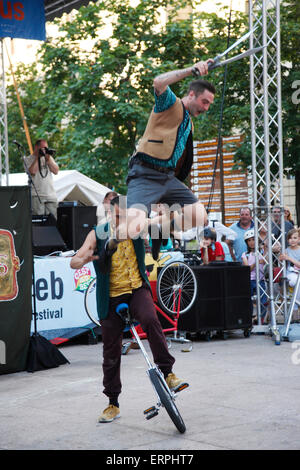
(70,185)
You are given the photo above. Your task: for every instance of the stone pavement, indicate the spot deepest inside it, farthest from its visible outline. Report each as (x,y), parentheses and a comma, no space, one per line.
(244,394)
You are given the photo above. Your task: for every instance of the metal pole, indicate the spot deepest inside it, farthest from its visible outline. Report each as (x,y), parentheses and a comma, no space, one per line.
(266,140)
(4,161)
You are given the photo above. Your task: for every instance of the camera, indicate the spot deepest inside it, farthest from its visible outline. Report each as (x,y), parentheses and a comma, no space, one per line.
(50,151)
(47,151)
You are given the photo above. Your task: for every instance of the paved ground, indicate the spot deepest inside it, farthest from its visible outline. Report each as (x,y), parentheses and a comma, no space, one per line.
(244,394)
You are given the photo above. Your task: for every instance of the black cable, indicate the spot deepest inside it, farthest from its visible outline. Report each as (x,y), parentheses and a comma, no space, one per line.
(43,175)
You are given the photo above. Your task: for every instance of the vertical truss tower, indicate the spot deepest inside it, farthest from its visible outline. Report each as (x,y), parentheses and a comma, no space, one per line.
(267,155)
(4,162)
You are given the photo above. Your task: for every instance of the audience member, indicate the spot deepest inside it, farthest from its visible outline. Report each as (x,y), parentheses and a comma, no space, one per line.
(211,250)
(292,256)
(263,244)
(41,165)
(276,225)
(287,215)
(240,228)
(226,248)
(176,245)
(249,258)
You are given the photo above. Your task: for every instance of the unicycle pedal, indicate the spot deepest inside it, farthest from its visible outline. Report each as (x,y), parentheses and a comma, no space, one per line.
(180,387)
(151,412)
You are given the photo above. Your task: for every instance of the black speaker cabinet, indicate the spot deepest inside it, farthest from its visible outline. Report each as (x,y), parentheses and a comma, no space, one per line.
(74,223)
(237,297)
(42,220)
(46,239)
(223,299)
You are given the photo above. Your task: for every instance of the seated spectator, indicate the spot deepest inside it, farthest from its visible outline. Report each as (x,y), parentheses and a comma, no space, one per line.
(176,245)
(211,250)
(226,248)
(263,245)
(292,256)
(249,259)
(276,225)
(287,215)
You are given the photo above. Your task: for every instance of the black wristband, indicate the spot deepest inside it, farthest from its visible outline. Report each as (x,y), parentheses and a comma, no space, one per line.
(195,72)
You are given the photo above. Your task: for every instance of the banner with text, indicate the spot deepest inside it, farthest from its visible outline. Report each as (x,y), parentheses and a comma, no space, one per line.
(23,19)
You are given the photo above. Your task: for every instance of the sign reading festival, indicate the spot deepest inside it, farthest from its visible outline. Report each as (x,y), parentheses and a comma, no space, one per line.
(23,19)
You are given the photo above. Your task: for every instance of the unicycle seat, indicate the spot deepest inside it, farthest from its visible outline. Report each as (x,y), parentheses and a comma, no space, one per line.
(123,311)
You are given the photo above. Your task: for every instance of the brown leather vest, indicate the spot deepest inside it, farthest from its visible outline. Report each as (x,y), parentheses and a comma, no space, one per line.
(160,135)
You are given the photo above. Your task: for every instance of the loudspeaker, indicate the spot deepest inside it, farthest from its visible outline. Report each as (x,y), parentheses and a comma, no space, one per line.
(43,220)
(237,296)
(223,299)
(207,313)
(74,223)
(46,239)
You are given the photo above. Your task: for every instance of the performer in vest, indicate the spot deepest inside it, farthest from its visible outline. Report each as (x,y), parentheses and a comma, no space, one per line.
(121,277)
(164,157)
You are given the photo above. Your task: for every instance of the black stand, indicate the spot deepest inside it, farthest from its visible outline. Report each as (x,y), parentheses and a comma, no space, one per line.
(42,354)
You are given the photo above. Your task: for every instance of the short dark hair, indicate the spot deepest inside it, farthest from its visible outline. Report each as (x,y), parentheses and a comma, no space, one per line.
(199,86)
(246,208)
(291,232)
(119,201)
(210,232)
(111,192)
(39,141)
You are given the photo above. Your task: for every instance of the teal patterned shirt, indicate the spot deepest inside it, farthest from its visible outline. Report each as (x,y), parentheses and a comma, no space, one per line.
(163,102)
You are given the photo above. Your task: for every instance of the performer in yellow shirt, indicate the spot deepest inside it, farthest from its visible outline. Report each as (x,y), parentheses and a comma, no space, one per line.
(122,278)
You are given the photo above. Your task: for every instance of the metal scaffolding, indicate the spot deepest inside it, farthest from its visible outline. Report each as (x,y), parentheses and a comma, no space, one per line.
(267,154)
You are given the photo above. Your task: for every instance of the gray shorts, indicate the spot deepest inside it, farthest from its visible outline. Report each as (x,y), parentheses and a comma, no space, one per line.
(148,186)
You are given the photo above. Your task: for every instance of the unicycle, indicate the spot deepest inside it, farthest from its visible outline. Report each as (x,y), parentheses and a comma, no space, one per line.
(166,397)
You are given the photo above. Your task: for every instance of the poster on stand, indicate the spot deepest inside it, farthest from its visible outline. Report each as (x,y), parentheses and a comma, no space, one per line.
(15,278)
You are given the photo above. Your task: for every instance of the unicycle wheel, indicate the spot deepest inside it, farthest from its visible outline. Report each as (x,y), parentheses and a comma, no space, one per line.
(166,399)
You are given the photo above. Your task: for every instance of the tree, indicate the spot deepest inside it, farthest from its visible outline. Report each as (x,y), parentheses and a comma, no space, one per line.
(93,104)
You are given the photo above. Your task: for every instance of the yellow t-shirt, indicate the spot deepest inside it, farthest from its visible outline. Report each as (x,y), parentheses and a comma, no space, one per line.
(124,274)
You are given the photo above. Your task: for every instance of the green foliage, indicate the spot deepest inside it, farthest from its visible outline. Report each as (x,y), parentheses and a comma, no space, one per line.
(93,103)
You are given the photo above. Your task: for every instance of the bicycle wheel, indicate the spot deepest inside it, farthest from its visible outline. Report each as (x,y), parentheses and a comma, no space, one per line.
(176,283)
(90,303)
(165,397)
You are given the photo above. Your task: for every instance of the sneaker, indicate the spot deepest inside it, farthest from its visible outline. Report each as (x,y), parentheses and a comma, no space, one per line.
(174,382)
(109,414)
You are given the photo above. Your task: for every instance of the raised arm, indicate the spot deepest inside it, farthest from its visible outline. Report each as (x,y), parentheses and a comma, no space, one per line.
(53,166)
(161,82)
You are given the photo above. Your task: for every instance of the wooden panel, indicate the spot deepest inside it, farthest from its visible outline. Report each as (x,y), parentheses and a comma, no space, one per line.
(235,181)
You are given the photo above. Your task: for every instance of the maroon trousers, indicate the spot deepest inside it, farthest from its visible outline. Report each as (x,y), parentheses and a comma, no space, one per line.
(143,310)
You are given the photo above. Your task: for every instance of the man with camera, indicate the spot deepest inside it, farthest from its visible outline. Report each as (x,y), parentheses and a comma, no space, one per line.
(41,165)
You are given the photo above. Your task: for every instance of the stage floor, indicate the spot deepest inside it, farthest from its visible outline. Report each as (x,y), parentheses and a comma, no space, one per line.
(243,394)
